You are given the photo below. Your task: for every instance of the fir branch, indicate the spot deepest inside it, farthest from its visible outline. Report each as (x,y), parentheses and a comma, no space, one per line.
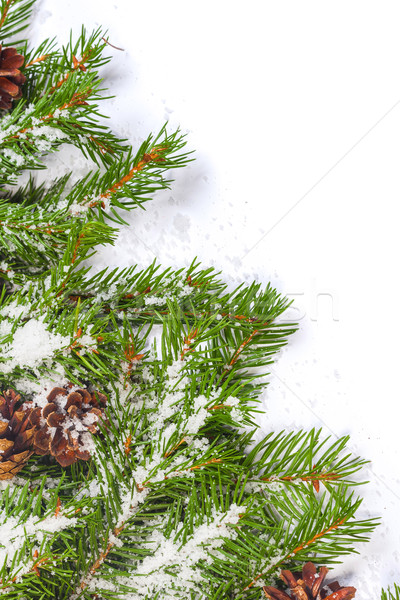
(66,115)
(391,593)
(297,458)
(67,277)
(89,49)
(130,180)
(75,61)
(172,494)
(49,68)
(14,15)
(32,237)
(322,534)
(42,197)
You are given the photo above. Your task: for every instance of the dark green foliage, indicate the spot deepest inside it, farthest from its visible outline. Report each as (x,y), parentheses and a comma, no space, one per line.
(391,594)
(14,19)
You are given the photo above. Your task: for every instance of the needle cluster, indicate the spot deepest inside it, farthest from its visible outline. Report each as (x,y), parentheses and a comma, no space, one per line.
(177,498)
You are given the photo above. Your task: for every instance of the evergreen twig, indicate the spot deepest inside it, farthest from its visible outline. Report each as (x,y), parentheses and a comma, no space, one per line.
(177,499)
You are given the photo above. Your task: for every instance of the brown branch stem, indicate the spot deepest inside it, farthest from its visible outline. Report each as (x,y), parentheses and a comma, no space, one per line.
(303,545)
(5,12)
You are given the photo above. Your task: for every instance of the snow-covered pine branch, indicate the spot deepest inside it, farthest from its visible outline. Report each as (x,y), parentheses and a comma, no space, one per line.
(128,462)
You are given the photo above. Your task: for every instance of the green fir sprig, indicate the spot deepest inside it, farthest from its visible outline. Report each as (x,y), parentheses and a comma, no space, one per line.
(391,593)
(178,499)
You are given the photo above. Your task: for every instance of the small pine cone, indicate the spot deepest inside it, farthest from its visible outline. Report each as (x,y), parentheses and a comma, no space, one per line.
(65,424)
(16,435)
(11,78)
(309,586)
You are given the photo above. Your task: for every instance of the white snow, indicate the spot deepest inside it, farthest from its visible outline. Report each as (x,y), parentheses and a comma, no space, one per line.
(13,535)
(32,343)
(14,157)
(294,116)
(155,573)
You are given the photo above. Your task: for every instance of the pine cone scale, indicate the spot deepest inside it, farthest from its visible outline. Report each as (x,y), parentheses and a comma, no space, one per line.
(275,594)
(58,444)
(6,470)
(69,417)
(318,583)
(25,438)
(74,399)
(55,392)
(10,468)
(309,573)
(9,87)
(35,416)
(5,445)
(346,593)
(309,587)
(41,442)
(11,78)
(67,458)
(288,578)
(13,62)
(16,421)
(16,434)
(8,52)
(54,419)
(9,72)
(300,593)
(48,409)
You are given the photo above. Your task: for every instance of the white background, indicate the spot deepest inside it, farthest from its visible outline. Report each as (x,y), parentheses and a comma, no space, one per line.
(293,108)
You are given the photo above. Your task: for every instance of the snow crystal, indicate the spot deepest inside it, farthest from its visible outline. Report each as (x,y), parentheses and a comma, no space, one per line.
(94,488)
(32,343)
(86,342)
(232,401)
(42,387)
(52,134)
(172,564)
(89,419)
(201,444)
(12,310)
(154,301)
(76,209)
(15,157)
(255,487)
(87,443)
(5,328)
(13,534)
(197,420)
(174,373)
(236,415)
(114,540)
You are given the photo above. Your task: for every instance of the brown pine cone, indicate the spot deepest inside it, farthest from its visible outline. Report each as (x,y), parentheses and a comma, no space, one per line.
(11,78)
(309,586)
(65,424)
(16,435)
